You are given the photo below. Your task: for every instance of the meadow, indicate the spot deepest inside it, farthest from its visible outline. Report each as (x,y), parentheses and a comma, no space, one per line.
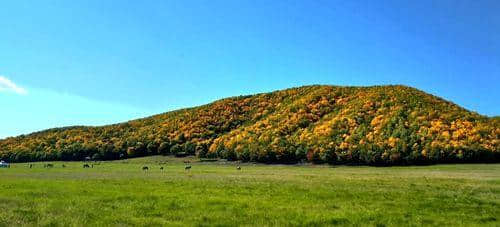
(120,193)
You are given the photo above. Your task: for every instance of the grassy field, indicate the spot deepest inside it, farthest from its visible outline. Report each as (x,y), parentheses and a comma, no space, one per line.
(120,193)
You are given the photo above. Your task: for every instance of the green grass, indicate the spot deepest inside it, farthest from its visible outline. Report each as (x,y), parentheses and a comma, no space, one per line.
(120,193)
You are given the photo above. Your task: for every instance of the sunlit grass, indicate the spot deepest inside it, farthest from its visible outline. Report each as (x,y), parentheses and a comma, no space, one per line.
(120,193)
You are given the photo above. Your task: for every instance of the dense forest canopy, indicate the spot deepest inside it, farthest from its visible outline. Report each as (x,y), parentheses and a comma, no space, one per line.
(379,125)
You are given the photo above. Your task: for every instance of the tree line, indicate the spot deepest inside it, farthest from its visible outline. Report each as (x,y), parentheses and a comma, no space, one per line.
(380,125)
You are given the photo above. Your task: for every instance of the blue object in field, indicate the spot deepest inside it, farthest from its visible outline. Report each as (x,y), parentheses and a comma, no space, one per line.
(4,164)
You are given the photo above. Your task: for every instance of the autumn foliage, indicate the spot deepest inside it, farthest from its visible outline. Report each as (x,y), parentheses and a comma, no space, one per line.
(380,125)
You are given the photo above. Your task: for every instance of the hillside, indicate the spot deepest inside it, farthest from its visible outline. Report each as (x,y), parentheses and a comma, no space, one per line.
(358,125)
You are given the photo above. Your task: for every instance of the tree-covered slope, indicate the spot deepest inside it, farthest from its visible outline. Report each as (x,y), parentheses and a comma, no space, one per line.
(365,125)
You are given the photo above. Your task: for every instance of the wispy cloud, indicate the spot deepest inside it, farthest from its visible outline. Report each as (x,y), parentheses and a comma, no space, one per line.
(8,86)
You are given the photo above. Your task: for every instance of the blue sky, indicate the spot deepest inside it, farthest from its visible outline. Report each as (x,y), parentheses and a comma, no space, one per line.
(97,62)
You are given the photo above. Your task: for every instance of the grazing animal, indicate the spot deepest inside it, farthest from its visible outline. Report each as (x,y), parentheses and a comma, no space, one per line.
(187,168)
(145,168)
(48,165)
(161,168)
(64,166)
(238,167)
(86,166)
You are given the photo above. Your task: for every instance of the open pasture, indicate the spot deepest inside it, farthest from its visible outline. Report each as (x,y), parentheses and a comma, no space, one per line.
(215,193)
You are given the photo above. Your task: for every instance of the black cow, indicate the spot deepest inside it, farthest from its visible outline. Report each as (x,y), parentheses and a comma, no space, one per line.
(48,165)
(86,166)
(187,168)
(145,168)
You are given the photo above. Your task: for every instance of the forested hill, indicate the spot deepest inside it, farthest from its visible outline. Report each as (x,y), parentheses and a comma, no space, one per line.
(359,125)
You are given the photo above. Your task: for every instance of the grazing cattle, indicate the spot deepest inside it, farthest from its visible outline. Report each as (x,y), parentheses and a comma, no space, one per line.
(187,168)
(145,168)
(238,167)
(48,165)
(161,168)
(86,166)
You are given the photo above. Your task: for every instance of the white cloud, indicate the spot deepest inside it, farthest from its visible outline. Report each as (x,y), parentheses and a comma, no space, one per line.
(9,86)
